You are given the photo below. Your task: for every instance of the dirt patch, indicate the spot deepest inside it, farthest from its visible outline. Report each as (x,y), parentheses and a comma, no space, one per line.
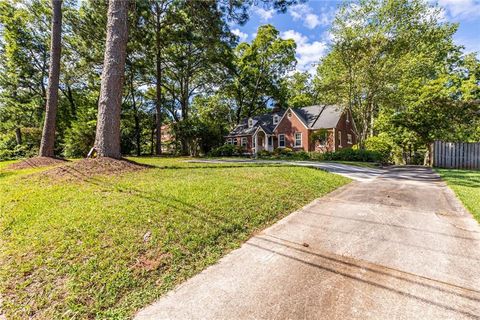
(36,162)
(87,168)
(150,262)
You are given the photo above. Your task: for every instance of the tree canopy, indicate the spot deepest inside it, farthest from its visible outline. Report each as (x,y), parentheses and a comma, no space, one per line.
(393,63)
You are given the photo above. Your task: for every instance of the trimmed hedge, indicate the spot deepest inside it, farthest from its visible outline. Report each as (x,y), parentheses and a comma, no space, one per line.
(226,150)
(354,155)
(340,155)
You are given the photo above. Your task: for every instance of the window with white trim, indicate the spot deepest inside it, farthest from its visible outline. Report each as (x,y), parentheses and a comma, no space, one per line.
(349,138)
(281,141)
(235,141)
(339,139)
(250,122)
(254,141)
(298,139)
(229,141)
(275,119)
(244,141)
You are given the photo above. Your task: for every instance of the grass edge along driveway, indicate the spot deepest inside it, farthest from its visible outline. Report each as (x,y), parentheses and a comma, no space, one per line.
(110,245)
(466,185)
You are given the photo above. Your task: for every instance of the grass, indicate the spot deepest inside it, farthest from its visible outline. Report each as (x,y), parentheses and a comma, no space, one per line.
(466,184)
(105,247)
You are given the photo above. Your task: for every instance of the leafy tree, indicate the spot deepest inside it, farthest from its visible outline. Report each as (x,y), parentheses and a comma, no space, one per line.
(380,48)
(258,71)
(297,90)
(23,65)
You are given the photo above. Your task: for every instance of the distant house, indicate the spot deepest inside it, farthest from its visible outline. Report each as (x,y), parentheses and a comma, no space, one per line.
(316,128)
(167,139)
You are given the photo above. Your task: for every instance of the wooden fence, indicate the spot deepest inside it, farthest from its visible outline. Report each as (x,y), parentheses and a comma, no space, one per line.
(458,155)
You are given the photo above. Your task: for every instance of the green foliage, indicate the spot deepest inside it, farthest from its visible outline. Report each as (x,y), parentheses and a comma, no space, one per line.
(361,155)
(80,137)
(319,135)
(264,154)
(382,144)
(258,71)
(297,90)
(384,64)
(282,151)
(227,150)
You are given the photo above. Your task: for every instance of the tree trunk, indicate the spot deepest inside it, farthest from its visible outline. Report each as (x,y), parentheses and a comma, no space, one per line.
(158,103)
(136,116)
(47,145)
(152,136)
(18,135)
(107,139)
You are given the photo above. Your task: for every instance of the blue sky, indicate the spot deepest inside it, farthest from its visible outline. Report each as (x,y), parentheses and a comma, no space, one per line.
(308,24)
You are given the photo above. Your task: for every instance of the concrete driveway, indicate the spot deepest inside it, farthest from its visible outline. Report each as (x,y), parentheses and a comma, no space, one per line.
(395,244)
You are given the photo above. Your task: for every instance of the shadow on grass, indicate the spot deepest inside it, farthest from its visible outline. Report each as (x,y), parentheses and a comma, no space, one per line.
(6,174)
(173,202)
(462,178)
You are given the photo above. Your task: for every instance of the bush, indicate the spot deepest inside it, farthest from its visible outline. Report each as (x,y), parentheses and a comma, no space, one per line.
(283,151)
(354,155)
(227,150)
(264,154)
(381,144)
(80,137)
(9,149)
(301,155)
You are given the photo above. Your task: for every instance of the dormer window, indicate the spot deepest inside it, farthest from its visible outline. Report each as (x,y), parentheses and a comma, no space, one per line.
(250,122)
(275,119)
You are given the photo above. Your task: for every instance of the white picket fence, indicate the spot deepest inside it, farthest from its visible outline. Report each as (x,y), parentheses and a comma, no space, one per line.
(458,155)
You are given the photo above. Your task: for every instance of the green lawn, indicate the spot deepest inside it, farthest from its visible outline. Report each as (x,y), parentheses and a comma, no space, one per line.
(466,184)
(77,249)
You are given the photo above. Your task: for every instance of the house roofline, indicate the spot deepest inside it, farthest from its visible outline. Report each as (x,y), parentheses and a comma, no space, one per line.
(296,115)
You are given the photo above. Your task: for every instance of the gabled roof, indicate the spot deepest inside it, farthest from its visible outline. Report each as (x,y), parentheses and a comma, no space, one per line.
(313,117)
(320,116)
(264,121)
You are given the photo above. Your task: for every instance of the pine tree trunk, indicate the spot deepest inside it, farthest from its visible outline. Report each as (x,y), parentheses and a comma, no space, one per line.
(107,139)
(48,135)
(18,135)
(158,103)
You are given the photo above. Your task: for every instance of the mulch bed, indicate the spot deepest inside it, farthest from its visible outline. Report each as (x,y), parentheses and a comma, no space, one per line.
(87,168)
(36,162)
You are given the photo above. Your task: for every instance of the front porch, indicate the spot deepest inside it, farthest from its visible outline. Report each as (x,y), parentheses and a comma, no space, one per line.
(263,141)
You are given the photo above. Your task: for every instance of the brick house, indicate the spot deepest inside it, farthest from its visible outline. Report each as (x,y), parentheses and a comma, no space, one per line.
(318,128)
(167,138)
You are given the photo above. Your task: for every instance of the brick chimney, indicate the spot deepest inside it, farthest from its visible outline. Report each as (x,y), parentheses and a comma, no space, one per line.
(276,108)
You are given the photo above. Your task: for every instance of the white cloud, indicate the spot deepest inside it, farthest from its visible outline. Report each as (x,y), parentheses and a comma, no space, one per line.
(461,8)
(310,20)
(308,53)
(471,46)
(242,36)
(264,15)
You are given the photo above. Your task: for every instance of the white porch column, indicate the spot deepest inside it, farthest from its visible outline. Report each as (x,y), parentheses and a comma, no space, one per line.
(266,142)
(254,140)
